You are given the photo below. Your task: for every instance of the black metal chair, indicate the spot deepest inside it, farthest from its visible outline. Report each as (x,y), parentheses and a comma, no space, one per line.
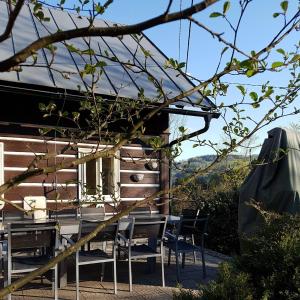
(180,244)
(188,213)
(148,228)
(97,255)
(25,242)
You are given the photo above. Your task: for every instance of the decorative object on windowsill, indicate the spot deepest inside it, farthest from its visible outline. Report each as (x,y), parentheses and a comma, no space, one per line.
(37,205)
(137,177)
(152,165)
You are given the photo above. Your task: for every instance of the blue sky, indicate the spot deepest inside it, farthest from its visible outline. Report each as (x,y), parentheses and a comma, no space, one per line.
(257,29)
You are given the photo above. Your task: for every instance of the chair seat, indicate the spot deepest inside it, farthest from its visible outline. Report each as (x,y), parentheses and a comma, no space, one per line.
(22,263)
(140,250)
(91,256)
(182,246)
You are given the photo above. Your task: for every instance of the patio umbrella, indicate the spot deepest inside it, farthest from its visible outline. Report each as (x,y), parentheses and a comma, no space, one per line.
(274,182)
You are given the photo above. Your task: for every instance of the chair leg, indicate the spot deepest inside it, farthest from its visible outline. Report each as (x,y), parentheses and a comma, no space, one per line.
(7,280)
(183,260)
(56,282)
(130,274)
(77,275)
(169,257)
(194,252)
(177,266)
(203,262)
(115,276)
(102,271)
(162,266)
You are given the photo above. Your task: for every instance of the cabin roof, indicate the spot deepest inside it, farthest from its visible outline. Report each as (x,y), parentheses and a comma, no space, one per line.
(115,80)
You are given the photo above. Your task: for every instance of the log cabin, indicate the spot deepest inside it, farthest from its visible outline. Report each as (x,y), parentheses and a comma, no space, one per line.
(45,77)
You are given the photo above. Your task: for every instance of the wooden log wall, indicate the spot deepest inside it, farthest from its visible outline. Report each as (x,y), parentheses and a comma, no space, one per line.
(20,151)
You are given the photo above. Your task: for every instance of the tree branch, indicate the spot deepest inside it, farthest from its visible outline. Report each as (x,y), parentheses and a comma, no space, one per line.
(11,21)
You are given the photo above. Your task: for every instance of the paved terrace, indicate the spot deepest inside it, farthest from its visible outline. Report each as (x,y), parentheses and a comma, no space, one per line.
(145,285)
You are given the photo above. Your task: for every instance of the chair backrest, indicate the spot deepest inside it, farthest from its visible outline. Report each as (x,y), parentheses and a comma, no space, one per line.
(95,213)
(30,235)
(11,216)
(189,213)
(196,226)
(148,228)
(140,211)
(68,213)
(189,216)
(109,233)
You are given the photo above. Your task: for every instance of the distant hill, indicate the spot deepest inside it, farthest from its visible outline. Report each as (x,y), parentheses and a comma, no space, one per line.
(184,168)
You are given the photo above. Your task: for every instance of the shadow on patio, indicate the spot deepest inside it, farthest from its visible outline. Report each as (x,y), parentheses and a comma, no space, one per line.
(145,285)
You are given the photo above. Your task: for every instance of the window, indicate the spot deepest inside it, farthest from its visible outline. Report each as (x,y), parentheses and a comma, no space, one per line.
(98,178)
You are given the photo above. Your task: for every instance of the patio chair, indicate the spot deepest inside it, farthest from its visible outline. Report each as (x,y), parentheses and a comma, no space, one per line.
(96,256)
(24,243)
(180,244)
(188,213)
(144,229)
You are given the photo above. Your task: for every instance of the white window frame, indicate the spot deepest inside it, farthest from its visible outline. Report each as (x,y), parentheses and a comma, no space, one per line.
(82,176)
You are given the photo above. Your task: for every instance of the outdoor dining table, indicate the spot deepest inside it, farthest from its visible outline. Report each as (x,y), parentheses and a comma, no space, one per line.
(70,226)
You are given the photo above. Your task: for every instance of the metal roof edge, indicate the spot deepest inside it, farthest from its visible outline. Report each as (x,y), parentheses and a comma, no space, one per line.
(59,93)
(182,73)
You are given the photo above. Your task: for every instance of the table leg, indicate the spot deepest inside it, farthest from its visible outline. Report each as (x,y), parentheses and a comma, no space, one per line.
(62,269)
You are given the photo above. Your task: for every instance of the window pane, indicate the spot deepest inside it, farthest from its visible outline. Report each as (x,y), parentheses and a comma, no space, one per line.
(107,176)
(91,182)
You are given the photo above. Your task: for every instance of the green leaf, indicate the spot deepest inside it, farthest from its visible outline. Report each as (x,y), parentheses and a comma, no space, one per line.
(254,96)
(215,15)
(275,15)
(246,64)
(226,6)
(295,58)
(250,73)
(71,48)
(181,129)
(181,65)
(88,51)
(255,105)
(224,50)
(284,5)
(101,64)
(281,51)
(277,64)
(242,89)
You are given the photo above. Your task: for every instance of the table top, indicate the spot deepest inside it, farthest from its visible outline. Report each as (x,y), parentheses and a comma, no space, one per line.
(70,225)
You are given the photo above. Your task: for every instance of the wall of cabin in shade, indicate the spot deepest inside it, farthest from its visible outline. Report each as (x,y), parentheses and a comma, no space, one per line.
(19,152)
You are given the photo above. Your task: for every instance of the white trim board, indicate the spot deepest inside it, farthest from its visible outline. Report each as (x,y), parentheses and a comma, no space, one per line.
(22,153)
(137,171)
(139,185)
(24,169)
